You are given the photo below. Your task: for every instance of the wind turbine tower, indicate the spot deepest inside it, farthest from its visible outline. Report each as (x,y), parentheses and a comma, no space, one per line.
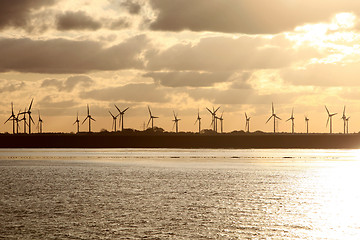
(198,120)
(344,119)
(221,121)
(292,120)
(307,124)
(30,118)
(247,124)
(273,115)
(24,119)
(77,122)
(88,117)
(17,122)
(347,124)
(40,123)
(114,121)
(121,117)
(214,119)
(12,118)
(176,122)
(151,119)
(330,115)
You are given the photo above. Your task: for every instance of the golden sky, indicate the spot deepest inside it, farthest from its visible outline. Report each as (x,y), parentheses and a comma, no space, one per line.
(182,56)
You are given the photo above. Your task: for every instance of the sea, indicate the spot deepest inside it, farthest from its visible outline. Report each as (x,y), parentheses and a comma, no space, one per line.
(179,194)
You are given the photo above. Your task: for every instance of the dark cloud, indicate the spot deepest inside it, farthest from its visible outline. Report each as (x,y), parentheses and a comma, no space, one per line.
(225,54)
(17,13)
(188,79)
(76,21)
(131,92)
(68,56)
(133,7)
(69,84)
(244,16)
(11,86)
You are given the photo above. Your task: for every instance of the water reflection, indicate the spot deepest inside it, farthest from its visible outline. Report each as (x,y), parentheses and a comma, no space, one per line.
(179,194)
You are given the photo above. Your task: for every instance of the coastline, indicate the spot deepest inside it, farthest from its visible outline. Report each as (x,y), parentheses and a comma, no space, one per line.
(181,140)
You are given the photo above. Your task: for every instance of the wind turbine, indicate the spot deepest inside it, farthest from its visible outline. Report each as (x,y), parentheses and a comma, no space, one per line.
(114,121)
(247,124)
(88,117)
(198,120)
(292,120)
(347,124)
(176,122)
(221,121)
(214,121)
(329,118)
(121,116)
(29,113)
(40,123)
(273,115)
(17,122)
(344,119)
(151,119)
(12,118)
(24,119)
(307,124)
(77,122)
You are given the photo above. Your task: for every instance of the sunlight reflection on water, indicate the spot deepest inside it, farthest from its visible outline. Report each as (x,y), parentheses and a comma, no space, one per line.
(172,193)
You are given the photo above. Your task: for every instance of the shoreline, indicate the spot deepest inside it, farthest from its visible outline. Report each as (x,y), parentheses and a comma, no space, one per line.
(181,140)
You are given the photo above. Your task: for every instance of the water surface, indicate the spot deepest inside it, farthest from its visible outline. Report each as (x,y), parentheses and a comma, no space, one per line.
(179,194)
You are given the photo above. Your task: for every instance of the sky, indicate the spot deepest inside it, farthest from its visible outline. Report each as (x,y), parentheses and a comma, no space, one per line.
(181,56)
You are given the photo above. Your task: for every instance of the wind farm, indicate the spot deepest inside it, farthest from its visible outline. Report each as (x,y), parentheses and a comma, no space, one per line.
(214,137)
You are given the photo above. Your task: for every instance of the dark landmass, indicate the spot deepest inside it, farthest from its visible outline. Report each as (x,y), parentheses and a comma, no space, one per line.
(146,139)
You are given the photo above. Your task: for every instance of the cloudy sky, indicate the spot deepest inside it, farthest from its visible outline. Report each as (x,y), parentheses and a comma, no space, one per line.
(182,56)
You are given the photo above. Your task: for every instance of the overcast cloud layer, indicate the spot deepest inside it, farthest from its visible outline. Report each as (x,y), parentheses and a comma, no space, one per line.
(241,54)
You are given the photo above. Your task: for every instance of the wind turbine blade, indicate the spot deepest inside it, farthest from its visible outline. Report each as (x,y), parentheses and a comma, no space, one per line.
(246,115)
(149,111)
(92,119)
(7,120)
(269,119)
(216,110)
(288,120)
(31,119)
(155,117)
(277,117)
(327,110)
(88,110)
(173,126)
(209,110)
(111,114)
(125,109)
(31,104)
(174,114)
(148,122)
(85,119)
(327,122)
(292,113)
(344,111)
(117,108)
(196,121)
(272,108)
